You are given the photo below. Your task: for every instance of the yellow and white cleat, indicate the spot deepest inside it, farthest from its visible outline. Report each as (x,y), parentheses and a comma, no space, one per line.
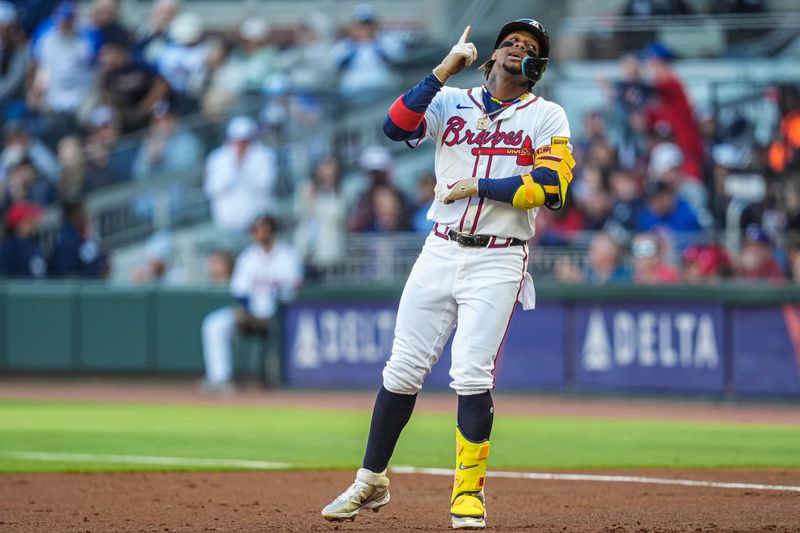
(370,490)
(468,512)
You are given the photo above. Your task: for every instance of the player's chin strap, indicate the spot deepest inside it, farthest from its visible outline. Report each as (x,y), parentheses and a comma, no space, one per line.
(533,67)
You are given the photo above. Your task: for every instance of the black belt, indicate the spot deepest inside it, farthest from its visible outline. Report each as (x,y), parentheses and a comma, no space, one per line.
(480,241)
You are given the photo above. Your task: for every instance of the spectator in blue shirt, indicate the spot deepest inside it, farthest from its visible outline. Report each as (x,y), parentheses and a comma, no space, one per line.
(664,209)
(77,251)
(20,252)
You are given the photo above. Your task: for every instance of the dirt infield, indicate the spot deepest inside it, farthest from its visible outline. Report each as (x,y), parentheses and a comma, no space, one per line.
(291,501)
(280,501)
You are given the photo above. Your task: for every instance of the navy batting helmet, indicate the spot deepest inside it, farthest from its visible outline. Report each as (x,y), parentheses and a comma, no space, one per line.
(531,26)
(532,67)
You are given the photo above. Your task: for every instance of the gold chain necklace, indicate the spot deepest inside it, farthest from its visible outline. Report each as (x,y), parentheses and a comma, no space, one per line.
(483,122)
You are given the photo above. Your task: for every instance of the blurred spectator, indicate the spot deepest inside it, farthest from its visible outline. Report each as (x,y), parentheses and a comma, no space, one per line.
(252,61)
(168,147)
(664,209)
(604,263)
(72,160)
(705,263)
(13,63)
(628,204)
(593,132)
(739,193)
(240,177)
(784,152)
(558,228)
(105,23)
(20,252)
(266,273)
(426,194)
(389,210)
(159,266)
(629,95)
(321,212)
(152,36)
(650,264)
(183,62)
(666,164)
(109,161)
(757,257)
(593,197)
(364,57)
(302,61)
(376,164)
(77,252)
(63,59)
(220,267)
(24,184)
(19,145)
(671,106)
(131,88)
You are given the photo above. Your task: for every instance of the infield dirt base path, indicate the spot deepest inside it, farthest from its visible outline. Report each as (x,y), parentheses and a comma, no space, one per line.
(291,501)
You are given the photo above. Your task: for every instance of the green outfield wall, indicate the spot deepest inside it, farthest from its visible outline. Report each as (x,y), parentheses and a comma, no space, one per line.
(741,339)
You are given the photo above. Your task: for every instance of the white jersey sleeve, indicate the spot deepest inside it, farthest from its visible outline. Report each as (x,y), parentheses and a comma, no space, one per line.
(554,124)
(242,276)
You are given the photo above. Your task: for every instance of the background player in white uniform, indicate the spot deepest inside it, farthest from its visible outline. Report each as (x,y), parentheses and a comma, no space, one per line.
(266,273)
(501,153)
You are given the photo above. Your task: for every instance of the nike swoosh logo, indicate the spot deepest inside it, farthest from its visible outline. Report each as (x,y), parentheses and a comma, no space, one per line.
(459,106)
(467,467)
(451,185)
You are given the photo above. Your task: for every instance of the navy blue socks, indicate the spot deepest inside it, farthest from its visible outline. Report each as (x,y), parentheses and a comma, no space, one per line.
(475,416)
(389,416)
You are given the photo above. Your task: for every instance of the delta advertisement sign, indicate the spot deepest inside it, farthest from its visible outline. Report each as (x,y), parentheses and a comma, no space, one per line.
(706,349)
(335,345)
(669,347)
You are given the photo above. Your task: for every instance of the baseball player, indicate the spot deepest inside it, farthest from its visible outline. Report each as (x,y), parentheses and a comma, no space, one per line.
(501,154)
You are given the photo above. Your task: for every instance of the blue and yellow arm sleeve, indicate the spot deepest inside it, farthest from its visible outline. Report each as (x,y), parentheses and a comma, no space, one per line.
(546,185)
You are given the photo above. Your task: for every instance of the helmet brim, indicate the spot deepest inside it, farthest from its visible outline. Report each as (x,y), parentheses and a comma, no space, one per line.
(542,38)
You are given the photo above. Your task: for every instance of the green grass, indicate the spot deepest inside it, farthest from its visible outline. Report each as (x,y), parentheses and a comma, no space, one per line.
(314,439)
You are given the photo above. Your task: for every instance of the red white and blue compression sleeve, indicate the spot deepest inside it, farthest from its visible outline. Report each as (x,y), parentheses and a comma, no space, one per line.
(406,118)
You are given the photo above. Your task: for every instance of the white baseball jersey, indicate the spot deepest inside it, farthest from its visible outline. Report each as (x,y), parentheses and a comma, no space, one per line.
(475,289)
(505,149)
(265,277)
(240,190)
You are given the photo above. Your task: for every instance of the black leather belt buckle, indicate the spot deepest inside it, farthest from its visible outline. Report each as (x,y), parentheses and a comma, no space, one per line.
(468,241)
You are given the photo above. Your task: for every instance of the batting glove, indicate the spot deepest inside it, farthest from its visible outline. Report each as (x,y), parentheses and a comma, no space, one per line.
(462,189)
(462,55)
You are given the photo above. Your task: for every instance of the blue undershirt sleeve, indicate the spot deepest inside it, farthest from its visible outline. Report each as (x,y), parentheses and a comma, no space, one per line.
(504,189)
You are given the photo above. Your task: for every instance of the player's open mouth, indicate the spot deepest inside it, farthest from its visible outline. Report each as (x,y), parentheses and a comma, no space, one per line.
(514,55)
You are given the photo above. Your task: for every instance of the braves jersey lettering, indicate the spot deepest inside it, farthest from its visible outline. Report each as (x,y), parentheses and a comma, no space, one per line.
(453,135)
(515,137)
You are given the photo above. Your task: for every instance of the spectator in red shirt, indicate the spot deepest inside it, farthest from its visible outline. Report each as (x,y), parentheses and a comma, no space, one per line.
(705,263)
(650,265)
(671,105)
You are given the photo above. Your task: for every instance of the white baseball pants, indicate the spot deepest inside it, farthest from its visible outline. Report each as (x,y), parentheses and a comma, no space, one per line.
(218,330)
(474,289)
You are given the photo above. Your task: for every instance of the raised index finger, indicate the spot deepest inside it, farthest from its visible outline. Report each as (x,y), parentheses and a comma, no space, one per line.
(465,35)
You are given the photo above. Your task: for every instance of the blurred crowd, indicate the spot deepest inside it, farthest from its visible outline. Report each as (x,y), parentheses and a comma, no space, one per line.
(667,190)
(88,102)
(675,193)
